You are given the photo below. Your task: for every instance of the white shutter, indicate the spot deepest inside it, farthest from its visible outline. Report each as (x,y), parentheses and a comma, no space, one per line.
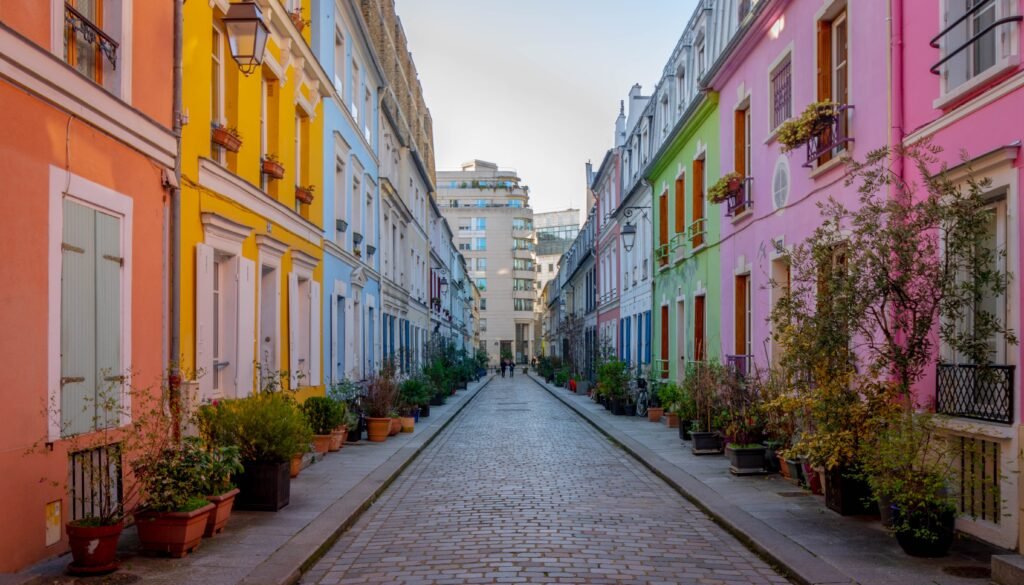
(246,327)
(204,319)
(78,320)
(314,333)
(350,346)
(332,370)
(293,328)
(109,369)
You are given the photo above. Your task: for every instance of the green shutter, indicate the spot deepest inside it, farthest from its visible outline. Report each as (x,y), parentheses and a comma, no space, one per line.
(109,370)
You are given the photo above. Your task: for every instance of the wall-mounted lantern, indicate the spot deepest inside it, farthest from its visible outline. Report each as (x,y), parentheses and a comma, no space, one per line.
(247,35)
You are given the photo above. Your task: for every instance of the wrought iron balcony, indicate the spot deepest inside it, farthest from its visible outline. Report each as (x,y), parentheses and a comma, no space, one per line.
(936,42)
(697,232)
(79,25)
(740,201)
(834,135)
(740,365)
(976,392)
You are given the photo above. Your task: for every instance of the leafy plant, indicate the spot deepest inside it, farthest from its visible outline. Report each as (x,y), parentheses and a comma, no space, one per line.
(174,477)
(562,376)
(613,378)
(266,427)
(382,394)
(815,119)
(719,192)
(701,381)
(413,392)
(220,462)
(322,414)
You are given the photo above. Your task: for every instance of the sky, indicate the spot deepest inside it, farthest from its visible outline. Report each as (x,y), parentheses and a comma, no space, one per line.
(535,85)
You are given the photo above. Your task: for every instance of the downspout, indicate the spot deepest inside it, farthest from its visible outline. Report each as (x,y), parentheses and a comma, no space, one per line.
(897,133)
(174,371)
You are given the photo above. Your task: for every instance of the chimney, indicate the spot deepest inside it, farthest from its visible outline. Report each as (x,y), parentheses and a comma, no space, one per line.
(620,125)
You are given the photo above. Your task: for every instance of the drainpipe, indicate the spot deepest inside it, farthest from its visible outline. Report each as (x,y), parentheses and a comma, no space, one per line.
(174,372)
(896,132)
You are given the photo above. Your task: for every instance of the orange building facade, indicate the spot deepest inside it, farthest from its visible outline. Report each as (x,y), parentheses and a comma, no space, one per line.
(86,154)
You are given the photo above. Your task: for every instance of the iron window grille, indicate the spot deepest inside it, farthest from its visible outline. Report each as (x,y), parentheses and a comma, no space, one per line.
(80,25)
(976,392)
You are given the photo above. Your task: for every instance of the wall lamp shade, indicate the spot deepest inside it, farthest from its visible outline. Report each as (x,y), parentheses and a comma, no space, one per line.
(247,35)
(628,236)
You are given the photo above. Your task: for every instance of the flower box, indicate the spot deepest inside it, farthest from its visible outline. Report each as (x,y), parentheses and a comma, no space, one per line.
(226,138)
(273,168)
(304,194)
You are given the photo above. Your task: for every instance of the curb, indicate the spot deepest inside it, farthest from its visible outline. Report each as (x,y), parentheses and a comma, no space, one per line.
(793,560)
(287,564)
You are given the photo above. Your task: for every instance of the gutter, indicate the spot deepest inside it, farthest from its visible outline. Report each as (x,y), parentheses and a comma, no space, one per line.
(173,257)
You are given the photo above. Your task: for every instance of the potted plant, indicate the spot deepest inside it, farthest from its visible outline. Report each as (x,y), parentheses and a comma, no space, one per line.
(438,378)
(725,187)
(346,393)
(305,193)
(815,119)
(411,393)
(701,381)
(379,404)
(613,377)
(220,463)
(396,424)
(740,400)
(174,516)
(268,428)
(227,138)
(272,166)
(323,416)
(670,396)
(296,17)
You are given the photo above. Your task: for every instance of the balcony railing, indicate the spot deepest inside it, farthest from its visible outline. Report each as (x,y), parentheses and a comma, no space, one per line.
(936,42)
(834,135)
(740,201)
(976,392)
(697,232)
(80,25)
(677,241)
(741,365)
(661,254)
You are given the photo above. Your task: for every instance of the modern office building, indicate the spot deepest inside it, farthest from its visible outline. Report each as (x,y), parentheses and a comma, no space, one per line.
(556,231)
(488,209)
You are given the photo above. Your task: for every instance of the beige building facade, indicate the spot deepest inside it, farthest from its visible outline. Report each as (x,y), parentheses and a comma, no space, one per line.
(488,210)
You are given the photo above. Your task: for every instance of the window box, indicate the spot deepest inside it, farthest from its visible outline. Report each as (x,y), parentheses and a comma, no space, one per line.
(370,250)
(272,167)
(340,225)
(305,194)
(227,138)
(296,17)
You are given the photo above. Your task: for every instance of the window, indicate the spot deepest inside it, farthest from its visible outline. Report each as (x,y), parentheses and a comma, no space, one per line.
(368,216)
(465,246)
(662,231)
(782,96)
(522,244)
(356,87)
(91,316)
(225,318)
(367,115)
(698,329)
(479,244)
(780,183)
(679,200)
(481,283)
(697,229)
(340,201)
(520,284)
(303,328)
(339,62)
(680,88)
(968,51)
(483,325)
(84,37)
(217,77)
(833,83)
(481,264)
(741,159)
(522,304)
(483,304)
(522,264)
(299,131)
(478,224)
(551,267)
(700,59)
(520,223)
(743,320)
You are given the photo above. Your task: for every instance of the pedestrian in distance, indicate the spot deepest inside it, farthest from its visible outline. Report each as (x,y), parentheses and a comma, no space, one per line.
(511,369)
(502,368)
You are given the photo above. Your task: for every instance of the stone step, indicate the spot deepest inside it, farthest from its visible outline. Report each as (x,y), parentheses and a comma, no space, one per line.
(1008,569)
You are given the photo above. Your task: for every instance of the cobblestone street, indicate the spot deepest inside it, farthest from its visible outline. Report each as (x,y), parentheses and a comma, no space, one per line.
(520,490)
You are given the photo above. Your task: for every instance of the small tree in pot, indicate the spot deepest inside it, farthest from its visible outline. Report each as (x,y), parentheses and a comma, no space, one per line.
(323,416)
(702,382)
(379,404)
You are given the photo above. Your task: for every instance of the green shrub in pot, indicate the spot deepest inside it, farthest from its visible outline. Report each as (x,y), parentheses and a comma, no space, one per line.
(322,414)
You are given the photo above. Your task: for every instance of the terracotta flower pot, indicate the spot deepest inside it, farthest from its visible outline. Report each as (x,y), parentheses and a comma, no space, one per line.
(93,548)
(217,519)
(408,424)
(273,169)
(396,427)
(304,195)
(296,465)
(338,438)
(654,413)
(321,443)
(377,429)
(174,533)
(673,420)
(225,139)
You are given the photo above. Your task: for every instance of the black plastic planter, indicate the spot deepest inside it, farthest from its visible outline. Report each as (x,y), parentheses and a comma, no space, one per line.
(684,430)
(940,523)
(796,472)
(848,494)
(437,400)
(771,457)
(263,486)
(424,410)
(746,460)
(706,443)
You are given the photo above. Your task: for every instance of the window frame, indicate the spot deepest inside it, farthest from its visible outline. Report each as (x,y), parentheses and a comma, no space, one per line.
(66,184)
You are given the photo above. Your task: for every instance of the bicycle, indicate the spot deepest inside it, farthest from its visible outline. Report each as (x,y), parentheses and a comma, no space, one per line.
(643,396)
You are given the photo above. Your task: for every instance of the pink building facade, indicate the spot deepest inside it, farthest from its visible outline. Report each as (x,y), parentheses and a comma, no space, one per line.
(605,187)
(957,80)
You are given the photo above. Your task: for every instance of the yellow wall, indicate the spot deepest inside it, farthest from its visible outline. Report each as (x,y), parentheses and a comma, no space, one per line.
(242,106)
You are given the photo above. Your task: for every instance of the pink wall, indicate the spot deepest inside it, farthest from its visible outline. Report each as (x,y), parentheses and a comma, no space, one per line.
(608,261)
(983,120)
(747,241)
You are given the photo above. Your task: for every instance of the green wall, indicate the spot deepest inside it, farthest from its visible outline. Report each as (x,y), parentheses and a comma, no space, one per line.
(689,271)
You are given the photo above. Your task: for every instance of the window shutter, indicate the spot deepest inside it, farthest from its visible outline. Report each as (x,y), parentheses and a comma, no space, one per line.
(824,60)
(314,333)
(246,327)
(204,319)
(333,370)
(78,320)
(740,141)
(698,329)
(293,328)
(109,370)
(680,201)
(350,346)
(740,314)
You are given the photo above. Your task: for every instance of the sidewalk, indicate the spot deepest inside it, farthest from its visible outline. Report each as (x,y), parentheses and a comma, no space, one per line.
(271,548)
(787,525)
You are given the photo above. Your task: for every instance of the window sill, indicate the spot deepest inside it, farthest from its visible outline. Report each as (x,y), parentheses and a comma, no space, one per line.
(956,96)
(773,134)
(747,213)
(837,161)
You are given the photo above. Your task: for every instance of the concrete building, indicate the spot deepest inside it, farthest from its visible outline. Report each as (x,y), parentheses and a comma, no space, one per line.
(556,231)
(488,207)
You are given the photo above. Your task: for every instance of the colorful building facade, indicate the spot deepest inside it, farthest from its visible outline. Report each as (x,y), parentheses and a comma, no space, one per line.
(88,158)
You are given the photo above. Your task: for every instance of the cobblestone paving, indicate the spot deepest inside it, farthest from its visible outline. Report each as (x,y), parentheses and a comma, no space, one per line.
(520,490)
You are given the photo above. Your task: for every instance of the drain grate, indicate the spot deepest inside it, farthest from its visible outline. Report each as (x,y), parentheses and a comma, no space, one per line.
(793,494)
(969,572)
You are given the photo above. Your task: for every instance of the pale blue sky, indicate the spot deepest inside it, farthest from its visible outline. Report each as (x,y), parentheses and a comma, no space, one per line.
(535,84)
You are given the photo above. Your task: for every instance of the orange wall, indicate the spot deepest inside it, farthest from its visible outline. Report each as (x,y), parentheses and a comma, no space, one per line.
(34,136)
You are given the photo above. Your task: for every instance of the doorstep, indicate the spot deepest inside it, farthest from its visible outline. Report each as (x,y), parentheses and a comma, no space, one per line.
(275,548)
(786,525)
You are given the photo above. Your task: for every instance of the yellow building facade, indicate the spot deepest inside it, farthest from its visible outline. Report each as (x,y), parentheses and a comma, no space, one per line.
(251,215)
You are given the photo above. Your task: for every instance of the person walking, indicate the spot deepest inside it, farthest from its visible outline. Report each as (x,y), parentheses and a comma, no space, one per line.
(511,369)
(502,368)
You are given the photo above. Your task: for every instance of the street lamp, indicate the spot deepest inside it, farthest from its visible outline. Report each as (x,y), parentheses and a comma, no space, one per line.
(628,231)
(247,35)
